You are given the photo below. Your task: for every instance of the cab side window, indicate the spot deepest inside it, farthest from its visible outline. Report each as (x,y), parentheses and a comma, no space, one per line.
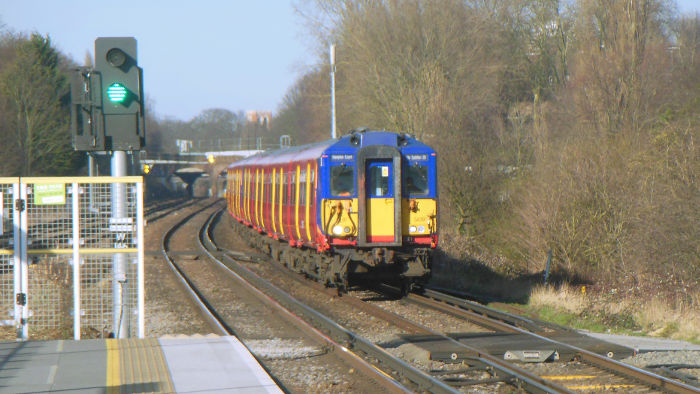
(342,181)
(416,180)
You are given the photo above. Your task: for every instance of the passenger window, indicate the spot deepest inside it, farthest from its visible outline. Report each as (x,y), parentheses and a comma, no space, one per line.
(416,180)
(379,180)
(342,181)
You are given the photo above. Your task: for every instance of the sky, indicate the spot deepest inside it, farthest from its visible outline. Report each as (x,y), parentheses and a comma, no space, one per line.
(233,54)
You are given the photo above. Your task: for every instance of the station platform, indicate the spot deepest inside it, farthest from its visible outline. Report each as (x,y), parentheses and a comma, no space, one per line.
(163,365)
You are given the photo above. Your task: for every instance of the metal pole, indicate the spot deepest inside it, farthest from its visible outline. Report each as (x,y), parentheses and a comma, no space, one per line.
(119,259)
(140,284)
(19,193)
(332,55)
(76,261)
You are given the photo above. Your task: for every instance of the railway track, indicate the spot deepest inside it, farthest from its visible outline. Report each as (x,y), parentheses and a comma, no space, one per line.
(500,371)
(160,209)
(224,322)
(383,368)
(616,375)
(578,369)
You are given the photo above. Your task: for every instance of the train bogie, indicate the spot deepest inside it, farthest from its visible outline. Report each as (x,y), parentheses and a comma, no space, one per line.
(364,203)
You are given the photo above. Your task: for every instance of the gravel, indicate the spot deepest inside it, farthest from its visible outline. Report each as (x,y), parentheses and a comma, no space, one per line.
(298,362)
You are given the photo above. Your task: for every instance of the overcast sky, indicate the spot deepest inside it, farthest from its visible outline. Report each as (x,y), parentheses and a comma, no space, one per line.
(195,55)
(232,54)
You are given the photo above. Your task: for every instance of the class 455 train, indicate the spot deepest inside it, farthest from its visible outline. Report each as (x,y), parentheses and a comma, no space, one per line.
(363,205)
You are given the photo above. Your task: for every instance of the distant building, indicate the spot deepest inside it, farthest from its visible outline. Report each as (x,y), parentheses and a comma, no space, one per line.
(260,117)
(183,146)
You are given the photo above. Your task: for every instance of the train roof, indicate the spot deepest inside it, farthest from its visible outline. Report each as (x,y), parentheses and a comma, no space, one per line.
(351,141)
(295,153)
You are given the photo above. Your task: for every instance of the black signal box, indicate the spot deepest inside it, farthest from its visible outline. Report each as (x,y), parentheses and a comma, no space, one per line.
(108,101)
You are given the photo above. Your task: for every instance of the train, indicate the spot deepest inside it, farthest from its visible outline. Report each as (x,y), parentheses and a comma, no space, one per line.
(361,207)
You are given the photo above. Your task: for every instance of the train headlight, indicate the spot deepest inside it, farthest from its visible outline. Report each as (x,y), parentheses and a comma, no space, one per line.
(421,229)
(347,230)
(412,229)
(338,230)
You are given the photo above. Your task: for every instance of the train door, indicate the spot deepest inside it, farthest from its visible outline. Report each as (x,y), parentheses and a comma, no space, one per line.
(379,196)
(380,201)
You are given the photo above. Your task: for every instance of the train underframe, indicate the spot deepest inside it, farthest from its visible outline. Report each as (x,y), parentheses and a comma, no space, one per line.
(404,267)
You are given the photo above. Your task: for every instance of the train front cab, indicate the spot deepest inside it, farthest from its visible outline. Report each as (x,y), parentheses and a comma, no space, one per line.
(383,201)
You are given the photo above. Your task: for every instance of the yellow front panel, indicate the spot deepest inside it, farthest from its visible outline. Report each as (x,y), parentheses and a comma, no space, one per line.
(423,214)
(380,217)
(344,216)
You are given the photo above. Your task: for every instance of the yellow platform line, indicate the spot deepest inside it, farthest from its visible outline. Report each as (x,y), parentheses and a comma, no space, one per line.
(137,365)
(113,367)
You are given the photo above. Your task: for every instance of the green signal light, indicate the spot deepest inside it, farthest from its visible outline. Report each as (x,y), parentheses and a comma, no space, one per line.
(116,92)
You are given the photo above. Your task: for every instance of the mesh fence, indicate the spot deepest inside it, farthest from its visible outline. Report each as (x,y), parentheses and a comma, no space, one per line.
(96,295)
(107,250)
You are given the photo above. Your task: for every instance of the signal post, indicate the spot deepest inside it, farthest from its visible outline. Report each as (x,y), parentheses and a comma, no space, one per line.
(108,115)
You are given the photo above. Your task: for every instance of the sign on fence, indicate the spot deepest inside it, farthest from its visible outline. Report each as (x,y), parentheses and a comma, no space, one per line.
(70,262)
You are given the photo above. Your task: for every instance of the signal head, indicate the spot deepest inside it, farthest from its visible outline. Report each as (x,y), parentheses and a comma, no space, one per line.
(116,57)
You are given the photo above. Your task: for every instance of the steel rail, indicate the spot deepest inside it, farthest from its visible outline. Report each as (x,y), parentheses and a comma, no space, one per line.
(336,333)
(646,377)
(209,313)
(159,205)
(510,373)
(388,383)
(491,314)
(167,210)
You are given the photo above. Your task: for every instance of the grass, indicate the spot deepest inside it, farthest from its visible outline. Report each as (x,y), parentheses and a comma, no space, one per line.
(660,309)
(570,306)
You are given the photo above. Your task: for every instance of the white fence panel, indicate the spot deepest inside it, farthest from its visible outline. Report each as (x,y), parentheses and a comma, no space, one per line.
(49,225)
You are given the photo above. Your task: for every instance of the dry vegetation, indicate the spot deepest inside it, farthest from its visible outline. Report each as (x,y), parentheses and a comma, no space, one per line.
(563,128)
(672,318)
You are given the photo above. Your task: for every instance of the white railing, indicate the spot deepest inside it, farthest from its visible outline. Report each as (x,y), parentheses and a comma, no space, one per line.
(64,256)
